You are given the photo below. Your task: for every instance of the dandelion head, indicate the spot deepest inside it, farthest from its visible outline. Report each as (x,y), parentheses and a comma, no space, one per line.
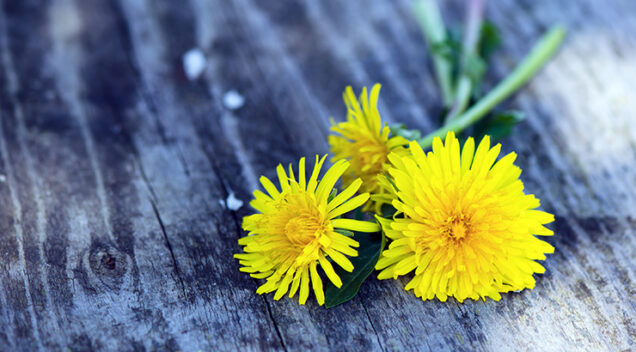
(296,230)
(364,141)
(468,229)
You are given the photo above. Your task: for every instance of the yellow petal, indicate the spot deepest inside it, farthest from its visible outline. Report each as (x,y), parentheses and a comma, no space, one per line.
(317,285)
(355,225)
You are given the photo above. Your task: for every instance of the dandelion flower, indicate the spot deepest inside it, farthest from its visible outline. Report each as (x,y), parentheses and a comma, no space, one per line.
(364,142)
(296,230)
(467,228)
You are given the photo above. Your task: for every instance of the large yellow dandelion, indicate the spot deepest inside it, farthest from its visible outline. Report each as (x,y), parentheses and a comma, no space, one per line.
(467,228)
(364,141)
(296,230)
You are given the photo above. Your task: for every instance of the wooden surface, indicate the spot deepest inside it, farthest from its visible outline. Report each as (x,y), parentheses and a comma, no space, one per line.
(114,168)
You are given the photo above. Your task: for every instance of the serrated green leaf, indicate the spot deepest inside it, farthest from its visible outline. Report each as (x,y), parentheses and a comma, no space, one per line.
(489,40)
(449,49)
(498,126)
(371,245)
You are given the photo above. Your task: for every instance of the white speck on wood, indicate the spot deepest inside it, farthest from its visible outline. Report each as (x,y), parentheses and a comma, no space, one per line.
(194,62)
(232,203)
(233,100)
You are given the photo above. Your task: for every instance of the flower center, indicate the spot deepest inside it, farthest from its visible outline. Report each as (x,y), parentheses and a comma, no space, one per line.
(302,229)
(457,228)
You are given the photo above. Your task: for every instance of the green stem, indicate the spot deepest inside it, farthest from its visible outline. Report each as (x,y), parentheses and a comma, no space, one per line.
(430,19)
(540,54)
(474,19)
(462,97)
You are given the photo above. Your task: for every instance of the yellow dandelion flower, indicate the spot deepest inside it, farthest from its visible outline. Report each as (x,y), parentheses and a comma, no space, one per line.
(364,141)
(296,230)
(468,228)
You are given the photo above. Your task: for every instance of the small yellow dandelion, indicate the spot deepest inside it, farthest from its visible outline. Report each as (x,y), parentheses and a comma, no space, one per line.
(468,228)
(364,142)
(296,230)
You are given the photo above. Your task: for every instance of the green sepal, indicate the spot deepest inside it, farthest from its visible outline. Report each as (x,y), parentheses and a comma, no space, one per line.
(332,195)
(344,232)
(400,130)
(390,181)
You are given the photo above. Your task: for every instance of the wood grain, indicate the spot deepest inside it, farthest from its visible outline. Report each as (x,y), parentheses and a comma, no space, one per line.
(114,170)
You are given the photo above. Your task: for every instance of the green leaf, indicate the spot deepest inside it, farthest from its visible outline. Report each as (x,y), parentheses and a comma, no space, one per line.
(499,126)
(449,49)
(358,214)
(489,40)
(388,211)
(371,245)
(475,67)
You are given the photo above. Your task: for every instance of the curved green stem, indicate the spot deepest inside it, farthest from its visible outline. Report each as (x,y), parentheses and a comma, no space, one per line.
(540,54)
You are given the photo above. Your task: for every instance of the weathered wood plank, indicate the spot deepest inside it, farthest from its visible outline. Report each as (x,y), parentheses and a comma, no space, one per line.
(114,168)
(217,294)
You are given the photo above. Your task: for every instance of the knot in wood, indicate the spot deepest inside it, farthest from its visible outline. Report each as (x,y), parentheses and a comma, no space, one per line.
(108,263)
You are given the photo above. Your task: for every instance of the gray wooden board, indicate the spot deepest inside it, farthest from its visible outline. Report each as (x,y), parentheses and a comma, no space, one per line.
(115,168)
